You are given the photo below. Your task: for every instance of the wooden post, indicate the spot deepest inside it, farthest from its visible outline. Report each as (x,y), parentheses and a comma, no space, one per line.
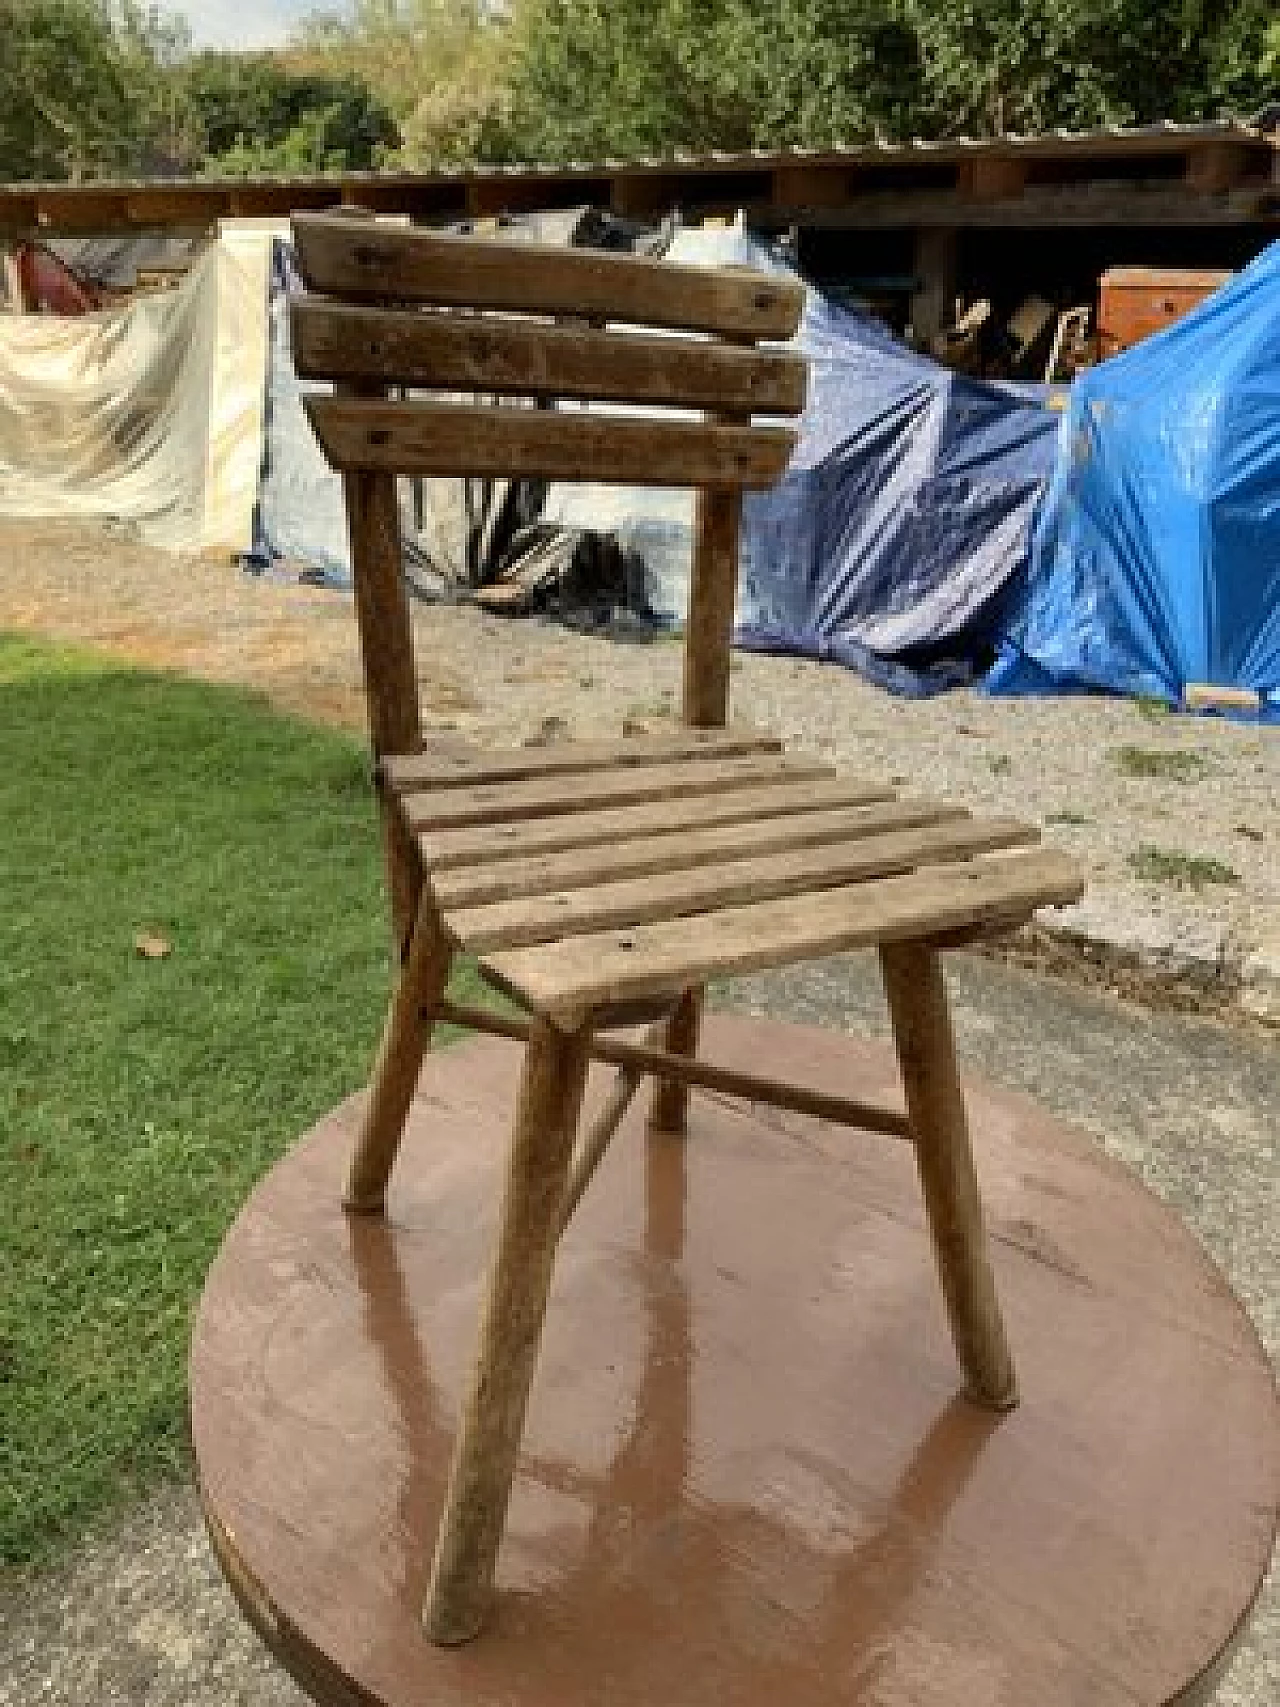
(488,1442)
(595,1141)
(390,675)
(405,1037)
(992,177)
(713,591)
(917,996)
(669,1110)
(1216,166)
(933,304)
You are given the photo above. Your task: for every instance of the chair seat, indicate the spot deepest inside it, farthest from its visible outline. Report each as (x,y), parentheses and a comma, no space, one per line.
(583,875)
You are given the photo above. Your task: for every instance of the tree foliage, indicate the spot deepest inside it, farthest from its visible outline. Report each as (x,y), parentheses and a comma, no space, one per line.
(250,113)
(79,86)
(594,77)
(93,87)
(441,66)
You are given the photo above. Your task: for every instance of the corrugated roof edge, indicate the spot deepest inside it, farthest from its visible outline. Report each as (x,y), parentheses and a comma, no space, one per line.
(1139,138)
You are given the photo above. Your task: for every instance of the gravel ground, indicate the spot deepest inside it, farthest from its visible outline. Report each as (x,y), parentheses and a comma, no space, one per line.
(1066,763)
(140,1617)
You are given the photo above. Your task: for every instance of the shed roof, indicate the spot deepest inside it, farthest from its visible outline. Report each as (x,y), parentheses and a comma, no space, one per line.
(1221,171)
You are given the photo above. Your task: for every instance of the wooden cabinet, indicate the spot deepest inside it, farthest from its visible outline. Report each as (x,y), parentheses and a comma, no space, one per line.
(1134,302)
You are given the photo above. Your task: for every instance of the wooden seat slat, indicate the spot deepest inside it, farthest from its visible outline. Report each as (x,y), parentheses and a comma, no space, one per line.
(445,808)
(454,769)
(449,352)
(564,979)
(641,856)
(419,439)
(451,850)
(369,261)
(560,913)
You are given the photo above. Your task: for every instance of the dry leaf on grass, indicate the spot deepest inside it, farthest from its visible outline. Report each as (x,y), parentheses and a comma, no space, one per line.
(152,947)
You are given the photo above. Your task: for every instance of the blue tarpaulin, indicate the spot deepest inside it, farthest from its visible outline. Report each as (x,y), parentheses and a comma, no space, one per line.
(904,521)
(1156,558)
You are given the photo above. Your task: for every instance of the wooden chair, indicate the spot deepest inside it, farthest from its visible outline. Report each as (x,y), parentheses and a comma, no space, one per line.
(601,885)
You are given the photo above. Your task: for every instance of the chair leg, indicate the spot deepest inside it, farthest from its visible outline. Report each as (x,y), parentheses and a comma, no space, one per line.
(492,1421)
(669,1110)
(405,1037)
(917,996)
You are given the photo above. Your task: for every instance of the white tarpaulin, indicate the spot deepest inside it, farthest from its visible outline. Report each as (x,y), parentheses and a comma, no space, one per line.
(150,414)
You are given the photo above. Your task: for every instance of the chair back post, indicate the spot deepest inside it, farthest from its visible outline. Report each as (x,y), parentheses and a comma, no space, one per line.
(390,671)
(713,587)
(713,594)
(386,649)
(394,307)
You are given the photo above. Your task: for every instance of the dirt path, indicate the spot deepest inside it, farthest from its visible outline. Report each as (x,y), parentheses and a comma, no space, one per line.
(1108,780)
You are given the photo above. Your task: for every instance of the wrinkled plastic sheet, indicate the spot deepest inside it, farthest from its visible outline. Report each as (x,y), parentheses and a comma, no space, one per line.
(902,525)
(149,414)
(459,534)
(453,530)
(300,516)
(1156,560)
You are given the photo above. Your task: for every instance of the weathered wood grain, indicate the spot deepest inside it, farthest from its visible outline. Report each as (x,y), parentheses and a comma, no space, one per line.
(405,1036)
(349,258)
(450,352)
(496,803)
(507,443)
(387,660)
(564,977)
(917,996)
(685,1069)
(488,1441)
(707,677)
(700,889)
(713,588)
(456,769)
(678,850)
(452,850)
(595,1141)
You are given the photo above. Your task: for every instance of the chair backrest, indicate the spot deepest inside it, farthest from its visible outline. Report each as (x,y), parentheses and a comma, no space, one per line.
(390,307)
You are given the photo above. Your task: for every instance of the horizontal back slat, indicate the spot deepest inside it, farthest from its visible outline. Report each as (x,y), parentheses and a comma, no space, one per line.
(468,439)
(372,262)
(447,352)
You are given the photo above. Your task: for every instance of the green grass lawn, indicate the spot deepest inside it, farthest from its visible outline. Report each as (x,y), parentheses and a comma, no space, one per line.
(140,1099)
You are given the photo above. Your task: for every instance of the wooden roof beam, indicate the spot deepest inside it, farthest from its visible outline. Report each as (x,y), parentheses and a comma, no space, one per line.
(1217,166)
